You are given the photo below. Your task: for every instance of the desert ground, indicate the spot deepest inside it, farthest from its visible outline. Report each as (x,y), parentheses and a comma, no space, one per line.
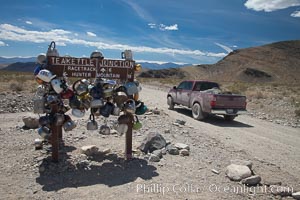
(26,173)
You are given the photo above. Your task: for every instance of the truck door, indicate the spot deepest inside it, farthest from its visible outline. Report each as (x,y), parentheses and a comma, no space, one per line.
(185,93)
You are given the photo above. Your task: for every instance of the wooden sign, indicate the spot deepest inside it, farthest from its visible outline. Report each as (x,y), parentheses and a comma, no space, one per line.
(92,68)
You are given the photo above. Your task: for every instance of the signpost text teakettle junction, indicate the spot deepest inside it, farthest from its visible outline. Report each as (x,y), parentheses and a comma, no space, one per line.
(91,68)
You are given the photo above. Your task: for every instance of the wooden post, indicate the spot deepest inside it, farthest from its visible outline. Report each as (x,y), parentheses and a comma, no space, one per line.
(55,135)
(128,142)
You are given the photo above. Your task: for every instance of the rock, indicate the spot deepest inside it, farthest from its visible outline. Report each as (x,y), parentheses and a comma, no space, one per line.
(89,150)
(164,151)
(215,171)
(237,172)
(181,122)
(105,151)
(158,153)
(184,152)
(172,150)
(296,195)
(152,142)
(113,131)
(272,182)
(154,158)
(252,180)
(31,122)
(248,163)
(156,112)
(182,146)
(283,191)
(167,131)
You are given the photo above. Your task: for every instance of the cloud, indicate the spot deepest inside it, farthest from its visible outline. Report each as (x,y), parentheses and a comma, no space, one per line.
(270,5)
(28,22)
(296,14)
(168,28)
(226,48)
(141,12)
(63,37)
(91,34)
(163,27)
(152,25)
(2,44)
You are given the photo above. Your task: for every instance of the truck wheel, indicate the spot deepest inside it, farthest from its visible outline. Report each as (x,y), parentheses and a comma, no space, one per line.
(229,117)
(197,112)
(171,103)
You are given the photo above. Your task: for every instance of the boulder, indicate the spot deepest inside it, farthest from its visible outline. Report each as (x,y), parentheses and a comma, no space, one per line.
(154,158)
(252,180)
(31,122)
(237,172)
(182,146)
(242,162)
(172,150)
(89,150)
(153,141)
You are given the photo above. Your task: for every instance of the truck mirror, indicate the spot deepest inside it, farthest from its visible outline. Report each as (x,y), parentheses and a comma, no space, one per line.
(174,87)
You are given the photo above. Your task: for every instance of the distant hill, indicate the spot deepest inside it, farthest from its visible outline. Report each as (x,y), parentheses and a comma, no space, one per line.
(4,60)
(276,62)
(21,67)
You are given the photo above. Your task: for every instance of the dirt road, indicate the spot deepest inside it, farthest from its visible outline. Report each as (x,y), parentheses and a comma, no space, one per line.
(269,142)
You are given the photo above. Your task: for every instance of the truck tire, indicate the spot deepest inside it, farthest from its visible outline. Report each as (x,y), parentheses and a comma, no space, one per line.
(229,118)
(197,112)
(171,103)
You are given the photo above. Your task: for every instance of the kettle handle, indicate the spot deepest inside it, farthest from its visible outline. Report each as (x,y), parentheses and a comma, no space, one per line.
(52,43)
(137,119)
(73,86)
(92,117)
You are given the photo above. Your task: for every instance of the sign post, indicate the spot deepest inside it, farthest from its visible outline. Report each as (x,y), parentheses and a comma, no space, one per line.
(121,70)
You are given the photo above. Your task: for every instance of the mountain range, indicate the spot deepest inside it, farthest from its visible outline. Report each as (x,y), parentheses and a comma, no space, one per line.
(276,62)
(28,64)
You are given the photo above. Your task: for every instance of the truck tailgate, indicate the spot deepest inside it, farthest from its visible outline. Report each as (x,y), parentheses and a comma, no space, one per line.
(230,101)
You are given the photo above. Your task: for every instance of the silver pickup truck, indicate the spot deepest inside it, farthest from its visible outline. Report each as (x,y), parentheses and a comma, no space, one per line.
(205,97)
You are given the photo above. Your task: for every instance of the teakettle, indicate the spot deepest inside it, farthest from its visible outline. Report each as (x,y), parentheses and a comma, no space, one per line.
(92,124)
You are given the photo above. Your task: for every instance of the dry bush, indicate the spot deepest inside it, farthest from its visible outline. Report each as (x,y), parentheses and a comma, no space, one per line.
(238,87)
(16,87)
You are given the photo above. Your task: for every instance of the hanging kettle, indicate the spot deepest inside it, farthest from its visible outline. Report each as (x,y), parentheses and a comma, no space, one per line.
(52,50)
(44,120)
(140,108)
(80,87)
(107,109)
(69,124)
(44,132)
(92,124)
(137,124)
(130,106)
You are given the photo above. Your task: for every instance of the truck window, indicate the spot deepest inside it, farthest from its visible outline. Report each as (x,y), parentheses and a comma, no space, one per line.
(202,86)
(186,85)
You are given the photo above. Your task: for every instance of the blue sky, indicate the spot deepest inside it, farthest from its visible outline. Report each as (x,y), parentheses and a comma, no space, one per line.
(182,31)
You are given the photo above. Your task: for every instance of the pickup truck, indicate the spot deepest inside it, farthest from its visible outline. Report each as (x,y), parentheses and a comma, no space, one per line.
(204,98)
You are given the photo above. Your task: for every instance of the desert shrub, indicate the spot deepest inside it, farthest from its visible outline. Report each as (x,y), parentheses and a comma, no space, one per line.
(238,88)
(17,87)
